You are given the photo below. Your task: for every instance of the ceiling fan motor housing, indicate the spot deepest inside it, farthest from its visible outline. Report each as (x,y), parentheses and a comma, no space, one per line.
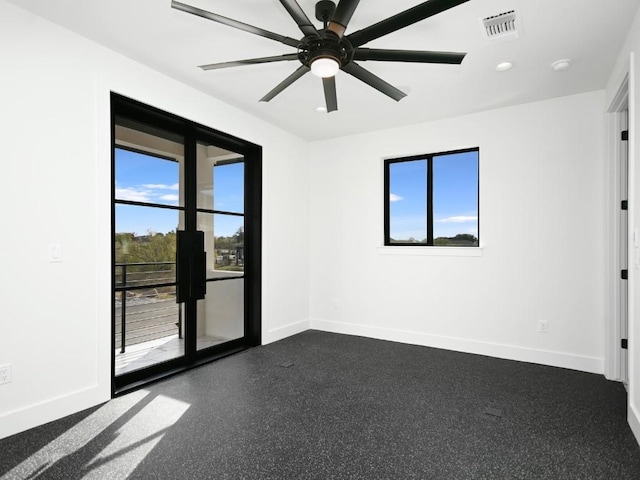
(328,45)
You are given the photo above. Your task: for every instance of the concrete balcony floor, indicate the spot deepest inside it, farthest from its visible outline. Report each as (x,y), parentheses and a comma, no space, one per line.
(156,351)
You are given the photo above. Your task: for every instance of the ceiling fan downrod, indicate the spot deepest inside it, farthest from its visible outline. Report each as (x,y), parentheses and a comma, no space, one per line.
(324,11)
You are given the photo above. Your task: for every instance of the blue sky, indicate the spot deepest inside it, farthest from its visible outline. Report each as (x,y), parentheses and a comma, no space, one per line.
(455,199)
(144,178)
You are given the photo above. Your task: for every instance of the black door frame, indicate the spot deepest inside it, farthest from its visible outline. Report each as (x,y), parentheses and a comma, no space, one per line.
(192,133)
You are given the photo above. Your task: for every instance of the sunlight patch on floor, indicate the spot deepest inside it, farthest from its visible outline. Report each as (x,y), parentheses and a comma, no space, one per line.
(120,442)
(136,439)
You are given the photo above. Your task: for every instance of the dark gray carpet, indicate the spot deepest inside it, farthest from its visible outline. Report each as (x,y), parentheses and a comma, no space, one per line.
(347,408)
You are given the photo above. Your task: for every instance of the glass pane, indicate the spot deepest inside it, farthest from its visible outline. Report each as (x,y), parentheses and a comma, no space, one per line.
(153,328)
(145,245)
(221,313)
(408,202)
(149,168)
(224,244)
(229,187)
(149,164)
(455,199)
(220,179)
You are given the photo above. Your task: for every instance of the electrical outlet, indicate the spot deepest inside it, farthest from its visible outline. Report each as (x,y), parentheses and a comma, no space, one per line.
(543,326)
(5,373)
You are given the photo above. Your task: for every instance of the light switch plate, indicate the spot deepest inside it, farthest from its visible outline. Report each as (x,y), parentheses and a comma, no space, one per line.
(55,252)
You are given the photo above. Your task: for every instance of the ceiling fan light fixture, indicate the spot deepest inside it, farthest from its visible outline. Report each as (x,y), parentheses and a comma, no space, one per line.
(325,67)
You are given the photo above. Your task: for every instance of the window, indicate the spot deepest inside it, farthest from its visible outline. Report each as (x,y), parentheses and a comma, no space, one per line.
(432,199)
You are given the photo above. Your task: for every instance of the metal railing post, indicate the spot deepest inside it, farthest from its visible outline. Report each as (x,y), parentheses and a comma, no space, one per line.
(123,302)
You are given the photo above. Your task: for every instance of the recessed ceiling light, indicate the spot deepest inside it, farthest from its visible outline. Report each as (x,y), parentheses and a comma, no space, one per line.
(561,65)
(321,109)
(504,66)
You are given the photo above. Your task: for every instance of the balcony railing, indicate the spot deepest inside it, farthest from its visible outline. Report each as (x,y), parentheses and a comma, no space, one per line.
(145,303)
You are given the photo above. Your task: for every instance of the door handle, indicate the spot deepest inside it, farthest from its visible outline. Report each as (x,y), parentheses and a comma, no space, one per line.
(200,274)
(183,267)
(191,270)
(199,266)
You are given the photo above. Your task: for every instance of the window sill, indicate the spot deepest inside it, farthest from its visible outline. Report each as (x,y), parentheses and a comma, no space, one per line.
(431,251)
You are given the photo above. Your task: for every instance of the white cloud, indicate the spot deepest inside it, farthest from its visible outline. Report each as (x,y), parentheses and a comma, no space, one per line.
(162,186)
(132,194)
(458,219)
(170,197)
(394,198)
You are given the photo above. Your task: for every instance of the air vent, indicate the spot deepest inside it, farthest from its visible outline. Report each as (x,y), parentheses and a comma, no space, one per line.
(501,26)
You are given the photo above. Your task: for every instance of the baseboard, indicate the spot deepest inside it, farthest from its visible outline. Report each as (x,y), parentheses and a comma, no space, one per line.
(30,416)
(286,331)
(510,352)
(634,421)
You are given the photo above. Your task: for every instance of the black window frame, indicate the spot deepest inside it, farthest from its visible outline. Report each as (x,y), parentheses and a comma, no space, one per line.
(429,197)
(192,132)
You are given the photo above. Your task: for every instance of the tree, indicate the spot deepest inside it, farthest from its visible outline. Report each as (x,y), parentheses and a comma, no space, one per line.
(238,237)
(461,239)
(150,248)
(465,237)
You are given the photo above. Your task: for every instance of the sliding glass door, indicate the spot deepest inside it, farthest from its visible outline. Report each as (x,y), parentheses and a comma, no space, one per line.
(186,244)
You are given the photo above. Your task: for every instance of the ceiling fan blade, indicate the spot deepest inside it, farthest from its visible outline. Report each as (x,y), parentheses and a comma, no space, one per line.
(330,94)
(250,61)
(402,20)
(300,17)
(372,80)
(408,56)
(234,23)
(342,16)
(286,82)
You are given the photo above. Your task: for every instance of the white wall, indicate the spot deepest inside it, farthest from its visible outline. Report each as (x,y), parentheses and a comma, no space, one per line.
(628,63)
(55,187)
(541,232)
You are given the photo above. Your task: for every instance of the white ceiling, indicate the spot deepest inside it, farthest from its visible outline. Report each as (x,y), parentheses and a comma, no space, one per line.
(590,32)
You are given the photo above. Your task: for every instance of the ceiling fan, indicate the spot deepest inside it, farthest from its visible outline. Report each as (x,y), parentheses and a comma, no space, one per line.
(327,50)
